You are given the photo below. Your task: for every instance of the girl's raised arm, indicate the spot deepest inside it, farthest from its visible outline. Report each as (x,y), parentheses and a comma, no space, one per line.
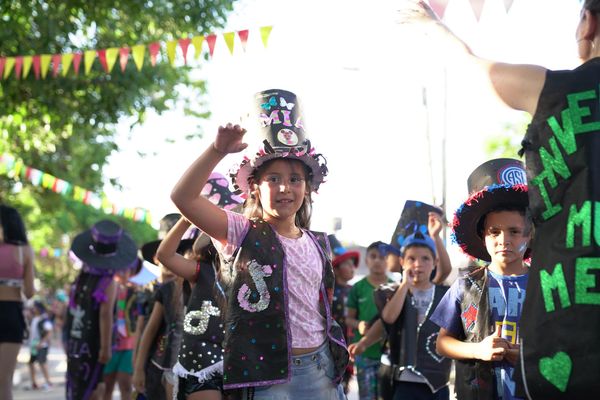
(168,256)
(186,193)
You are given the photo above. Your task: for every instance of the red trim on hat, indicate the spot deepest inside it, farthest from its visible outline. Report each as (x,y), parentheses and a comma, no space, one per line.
(346,256)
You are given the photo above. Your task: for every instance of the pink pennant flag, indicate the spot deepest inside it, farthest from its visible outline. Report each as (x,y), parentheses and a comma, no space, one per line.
(211,40)
(439,6)
(77,62)
(102,58)
(37,65)
(243,35)
(184,44)
(508,4)
(477,6)
(154,48)
(2,63)
(56,59)
(123,56)
(18,66)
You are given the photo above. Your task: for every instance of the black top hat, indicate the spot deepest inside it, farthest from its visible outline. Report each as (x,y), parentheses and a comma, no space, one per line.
(105,246)
(165,225)
(279,117)
(414,218)
(216,189)
(340,253)
(497,183)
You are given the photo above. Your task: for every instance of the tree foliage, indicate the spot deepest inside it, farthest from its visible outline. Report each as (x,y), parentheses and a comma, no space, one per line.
(508,143)
(66,125)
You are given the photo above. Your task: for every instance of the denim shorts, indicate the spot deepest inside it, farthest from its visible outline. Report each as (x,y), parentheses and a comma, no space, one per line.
(312,378)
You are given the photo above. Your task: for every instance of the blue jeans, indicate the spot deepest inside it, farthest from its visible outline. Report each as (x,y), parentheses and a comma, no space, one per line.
(312,376)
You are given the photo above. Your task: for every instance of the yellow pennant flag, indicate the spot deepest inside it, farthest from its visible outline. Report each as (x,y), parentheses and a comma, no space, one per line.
(27,61)
(138,55)
(229,37)
(45,63)
(111,57)
(197,42)
(66,61)
(10,63)
(171,48)
(88,59)
(265,32)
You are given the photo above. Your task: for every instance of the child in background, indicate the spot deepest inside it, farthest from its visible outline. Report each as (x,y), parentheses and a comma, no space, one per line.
(280,340)
(479,315)
(103,250)
(361,311)
(40,335)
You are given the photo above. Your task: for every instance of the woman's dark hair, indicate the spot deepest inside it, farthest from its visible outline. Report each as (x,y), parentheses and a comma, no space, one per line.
(253,208)
(13,227)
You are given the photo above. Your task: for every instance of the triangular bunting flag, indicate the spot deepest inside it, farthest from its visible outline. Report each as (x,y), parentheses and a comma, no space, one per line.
(477,6)
(243,35)
(10,63)
(211,40)
(37,66)
(2,64)
(508,4)
(88,60)
(27,61)
(265,32)
(18,66)
(439,7)
(229,37)
(154,48)
(184,44)
(171,48)
(46,58)
(123,56)
(197,42)
(138,55)
(111,57)
(66,60)
(76,62)
(56,61)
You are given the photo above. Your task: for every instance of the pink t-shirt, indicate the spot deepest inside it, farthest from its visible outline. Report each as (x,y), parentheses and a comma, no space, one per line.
(304,275)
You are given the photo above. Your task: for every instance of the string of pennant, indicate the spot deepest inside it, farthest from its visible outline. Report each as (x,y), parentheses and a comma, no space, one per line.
(15,168)
(62,63)
(439,6)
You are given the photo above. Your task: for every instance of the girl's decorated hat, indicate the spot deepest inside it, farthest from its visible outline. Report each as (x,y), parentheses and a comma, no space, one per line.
(494,184)
(279,120)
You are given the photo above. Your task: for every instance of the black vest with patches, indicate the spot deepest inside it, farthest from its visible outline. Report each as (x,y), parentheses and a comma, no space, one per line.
(257,345)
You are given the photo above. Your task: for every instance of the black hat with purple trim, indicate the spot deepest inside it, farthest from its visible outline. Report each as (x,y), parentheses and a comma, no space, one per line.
(279,118)
(414,218)
(106,247)
(495,184)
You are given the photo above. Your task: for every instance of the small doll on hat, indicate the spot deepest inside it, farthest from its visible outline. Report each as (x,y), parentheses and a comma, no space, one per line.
(479,315)
(103,250)
(278,316)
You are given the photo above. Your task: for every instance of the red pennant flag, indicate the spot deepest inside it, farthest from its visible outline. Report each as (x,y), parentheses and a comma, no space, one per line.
(2,62)
(76,62)
(508,4)
(477,6)
(154,48)
(439,6)
(102,58)
(243,37)
(184,44)
(18,66)
(56,58)
(123,55)
(211,40)
(37,65)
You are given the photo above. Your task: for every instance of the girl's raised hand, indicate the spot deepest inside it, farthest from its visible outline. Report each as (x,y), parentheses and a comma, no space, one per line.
(229,139)
(415,11)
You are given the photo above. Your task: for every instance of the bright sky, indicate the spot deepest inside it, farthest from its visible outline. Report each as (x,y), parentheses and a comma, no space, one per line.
(361,80)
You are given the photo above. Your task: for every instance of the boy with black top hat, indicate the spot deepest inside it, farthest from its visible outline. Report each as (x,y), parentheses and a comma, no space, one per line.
(479,315)
(104,250)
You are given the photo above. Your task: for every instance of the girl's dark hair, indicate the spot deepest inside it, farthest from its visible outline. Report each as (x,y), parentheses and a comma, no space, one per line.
(13,227)
(253,208)
(592,5)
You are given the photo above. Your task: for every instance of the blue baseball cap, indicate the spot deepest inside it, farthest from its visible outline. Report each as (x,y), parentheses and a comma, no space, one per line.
(419,239)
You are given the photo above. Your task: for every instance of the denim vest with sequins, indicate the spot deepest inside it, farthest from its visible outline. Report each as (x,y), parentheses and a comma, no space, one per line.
(257,346)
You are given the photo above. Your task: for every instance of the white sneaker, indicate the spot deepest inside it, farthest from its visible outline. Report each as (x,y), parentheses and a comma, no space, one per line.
(46,387)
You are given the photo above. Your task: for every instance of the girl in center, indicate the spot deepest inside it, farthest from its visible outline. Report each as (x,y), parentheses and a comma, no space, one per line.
(280,339)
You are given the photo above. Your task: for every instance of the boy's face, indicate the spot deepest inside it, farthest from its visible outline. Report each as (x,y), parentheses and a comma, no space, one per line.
(505,236)
(375,262)
(345,270)
(394,263)
(419,260)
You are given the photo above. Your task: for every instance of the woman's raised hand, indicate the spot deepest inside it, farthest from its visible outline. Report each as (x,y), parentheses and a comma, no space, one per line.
(229,139)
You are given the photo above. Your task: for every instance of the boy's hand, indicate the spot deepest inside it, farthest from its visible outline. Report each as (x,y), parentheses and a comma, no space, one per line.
(356,349)
(434,224)
(363,327)
(229,139)
(513,353)
(408,276)
(493,347)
